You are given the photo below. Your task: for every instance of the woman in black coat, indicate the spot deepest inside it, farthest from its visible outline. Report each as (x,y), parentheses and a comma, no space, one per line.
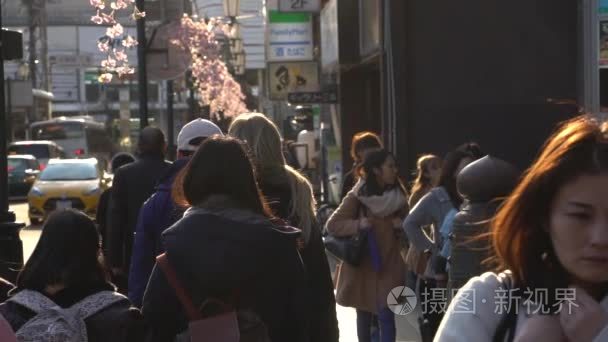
(66,268)
(291,198)
(227,247)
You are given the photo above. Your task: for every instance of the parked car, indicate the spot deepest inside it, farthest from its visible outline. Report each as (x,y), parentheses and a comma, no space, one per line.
(22,173)
(43,150)
(67,183)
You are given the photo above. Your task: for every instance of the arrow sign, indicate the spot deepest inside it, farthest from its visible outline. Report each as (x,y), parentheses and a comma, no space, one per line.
(313,97)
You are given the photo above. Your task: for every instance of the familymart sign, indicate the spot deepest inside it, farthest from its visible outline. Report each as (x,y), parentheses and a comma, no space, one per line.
(290,37)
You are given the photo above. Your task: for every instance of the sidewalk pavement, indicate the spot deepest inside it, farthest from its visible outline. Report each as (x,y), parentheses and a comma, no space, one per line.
(407,326)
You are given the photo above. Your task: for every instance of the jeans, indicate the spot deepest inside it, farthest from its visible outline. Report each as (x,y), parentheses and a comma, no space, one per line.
(386,322)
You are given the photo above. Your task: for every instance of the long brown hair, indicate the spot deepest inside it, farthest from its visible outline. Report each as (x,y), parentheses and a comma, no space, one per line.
(519,230)
(423,180)
(362,141)
(220,166)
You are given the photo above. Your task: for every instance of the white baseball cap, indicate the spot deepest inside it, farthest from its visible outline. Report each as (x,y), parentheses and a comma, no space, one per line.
(198,128)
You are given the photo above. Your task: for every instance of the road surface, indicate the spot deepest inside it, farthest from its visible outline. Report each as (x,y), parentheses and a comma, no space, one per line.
(347,318)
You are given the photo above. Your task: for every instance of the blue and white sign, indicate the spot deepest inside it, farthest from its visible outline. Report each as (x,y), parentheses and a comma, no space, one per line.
(290,37)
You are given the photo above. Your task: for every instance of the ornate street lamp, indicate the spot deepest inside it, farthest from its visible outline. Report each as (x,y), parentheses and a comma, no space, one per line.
(232,8)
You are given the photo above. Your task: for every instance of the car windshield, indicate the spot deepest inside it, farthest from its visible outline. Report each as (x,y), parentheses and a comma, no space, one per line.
(17,165)
(69,171)
(58,131)
(36,150)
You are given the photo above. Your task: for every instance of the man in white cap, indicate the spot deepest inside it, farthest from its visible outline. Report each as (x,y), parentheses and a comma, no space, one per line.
(160,212)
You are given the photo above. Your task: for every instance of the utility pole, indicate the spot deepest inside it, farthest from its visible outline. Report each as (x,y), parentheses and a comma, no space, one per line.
(142,77)
(11,247)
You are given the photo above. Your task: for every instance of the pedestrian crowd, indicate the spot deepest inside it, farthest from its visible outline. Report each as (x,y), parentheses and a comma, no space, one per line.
(224,245)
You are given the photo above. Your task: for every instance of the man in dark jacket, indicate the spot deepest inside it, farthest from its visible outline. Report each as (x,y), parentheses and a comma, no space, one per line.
(160,212)
(103,212)
(132,185)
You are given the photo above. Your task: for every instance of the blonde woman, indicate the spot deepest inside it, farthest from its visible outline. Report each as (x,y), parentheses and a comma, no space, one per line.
(428,171)
(290,196)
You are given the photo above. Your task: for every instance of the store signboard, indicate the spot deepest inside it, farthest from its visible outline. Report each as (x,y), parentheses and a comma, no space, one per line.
(603,6)
(290,37)
(292,77)
(603,45)
(329,34)
(312,6)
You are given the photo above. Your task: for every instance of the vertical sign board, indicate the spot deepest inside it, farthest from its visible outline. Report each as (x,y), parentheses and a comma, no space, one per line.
(603,7)
(603,45)
(312,6)
(291,77)
(290,37)
(329,34)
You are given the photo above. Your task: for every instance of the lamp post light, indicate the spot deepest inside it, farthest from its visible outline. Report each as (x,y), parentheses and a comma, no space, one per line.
(232,8)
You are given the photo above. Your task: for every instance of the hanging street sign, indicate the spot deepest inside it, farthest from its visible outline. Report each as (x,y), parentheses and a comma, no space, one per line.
(290,37)
(330,96)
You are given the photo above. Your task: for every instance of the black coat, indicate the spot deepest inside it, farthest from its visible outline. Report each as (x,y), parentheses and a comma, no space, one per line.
(323,319)
(132,185)
(219,252)
(119,322)
(5,286)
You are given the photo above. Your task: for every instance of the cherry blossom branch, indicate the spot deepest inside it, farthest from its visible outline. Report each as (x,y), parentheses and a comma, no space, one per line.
(115,43)
(212,80)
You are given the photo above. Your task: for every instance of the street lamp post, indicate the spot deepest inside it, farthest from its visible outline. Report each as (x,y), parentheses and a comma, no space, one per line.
(142,77)
(11,247)
(232,8)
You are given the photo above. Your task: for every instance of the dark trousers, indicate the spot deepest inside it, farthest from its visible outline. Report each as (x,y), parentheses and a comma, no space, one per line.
(386,325)
(430,320)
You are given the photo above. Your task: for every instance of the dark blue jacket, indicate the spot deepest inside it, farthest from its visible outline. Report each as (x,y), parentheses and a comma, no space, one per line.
(216,251)
(157,214)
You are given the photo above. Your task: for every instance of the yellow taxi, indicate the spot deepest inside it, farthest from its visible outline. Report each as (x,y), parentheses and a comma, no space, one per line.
(67,183)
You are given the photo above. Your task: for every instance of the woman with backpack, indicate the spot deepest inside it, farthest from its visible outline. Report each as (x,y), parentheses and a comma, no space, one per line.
(63,293)
(432,210)
(376,205)
(550,240)
(291,198)
(226,255)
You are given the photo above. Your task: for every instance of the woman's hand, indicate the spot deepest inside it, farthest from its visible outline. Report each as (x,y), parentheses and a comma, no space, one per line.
(583,320)
(541,328)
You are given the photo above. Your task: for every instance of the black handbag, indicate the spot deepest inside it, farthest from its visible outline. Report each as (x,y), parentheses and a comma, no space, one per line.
(349,249)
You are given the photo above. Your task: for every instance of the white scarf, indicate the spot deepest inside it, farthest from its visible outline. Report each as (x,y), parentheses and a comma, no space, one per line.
(390,202)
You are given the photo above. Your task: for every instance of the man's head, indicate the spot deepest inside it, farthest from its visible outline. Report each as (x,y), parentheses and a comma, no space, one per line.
(151,142)
(193,134)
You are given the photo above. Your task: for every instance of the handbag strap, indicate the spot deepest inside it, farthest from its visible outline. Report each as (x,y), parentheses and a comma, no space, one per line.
(184,298)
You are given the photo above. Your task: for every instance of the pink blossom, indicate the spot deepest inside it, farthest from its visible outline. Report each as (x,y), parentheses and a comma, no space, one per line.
(115,31)
(97,4)
(137,14)
(120,55)
(103,46)
(118,5)
(129,42)
(109,63)
(105,78)
(108,18)
(125,70)
(97,19)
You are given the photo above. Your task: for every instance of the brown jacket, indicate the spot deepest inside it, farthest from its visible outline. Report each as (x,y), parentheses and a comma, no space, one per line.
(361,287)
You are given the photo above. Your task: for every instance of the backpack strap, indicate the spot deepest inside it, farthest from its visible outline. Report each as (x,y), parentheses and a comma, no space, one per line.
(184,297)
(92,304)
(32,300)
